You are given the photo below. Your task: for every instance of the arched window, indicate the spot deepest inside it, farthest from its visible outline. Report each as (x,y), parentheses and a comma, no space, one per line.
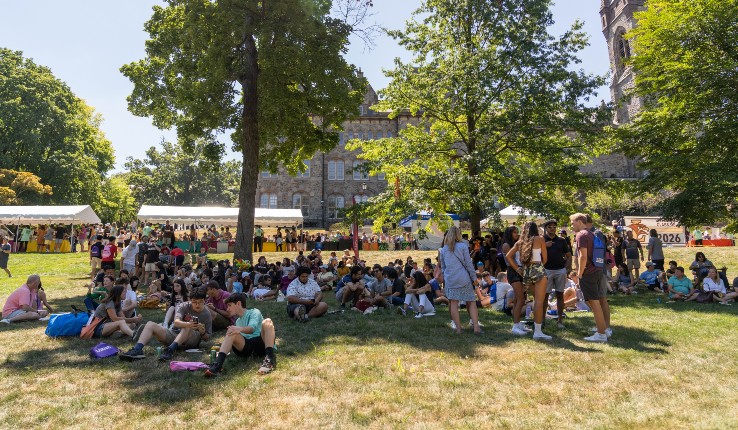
(306,173)
(268,201)
(300,202)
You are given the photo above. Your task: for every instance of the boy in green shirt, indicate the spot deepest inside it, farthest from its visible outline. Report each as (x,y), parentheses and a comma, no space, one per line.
(252,335)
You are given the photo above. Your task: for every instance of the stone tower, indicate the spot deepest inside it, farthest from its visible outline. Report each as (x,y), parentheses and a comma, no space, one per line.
(617,19)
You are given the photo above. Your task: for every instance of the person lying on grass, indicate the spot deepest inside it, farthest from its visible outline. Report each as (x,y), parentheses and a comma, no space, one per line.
(192,323)
(250,336)
(22,304)
(111,313)
(304,298)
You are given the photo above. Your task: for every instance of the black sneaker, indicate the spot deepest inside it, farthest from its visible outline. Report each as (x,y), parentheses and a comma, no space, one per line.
(132,354)
(213,371)
(166,355)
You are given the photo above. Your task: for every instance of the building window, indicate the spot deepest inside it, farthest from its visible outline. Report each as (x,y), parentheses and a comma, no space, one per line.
(370,136)
(268,201)
(359,173)
(335,204)
(306,173)
(379,135)
(299,202)
(389,134)
(381,176)
(359,198)
(335,170)
(340,139)
(362,110)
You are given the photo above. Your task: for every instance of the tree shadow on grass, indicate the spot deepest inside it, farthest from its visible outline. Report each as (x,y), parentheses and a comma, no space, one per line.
(149,382)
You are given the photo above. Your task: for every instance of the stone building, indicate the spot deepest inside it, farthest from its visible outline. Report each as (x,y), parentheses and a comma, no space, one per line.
(617,18)
(332,181)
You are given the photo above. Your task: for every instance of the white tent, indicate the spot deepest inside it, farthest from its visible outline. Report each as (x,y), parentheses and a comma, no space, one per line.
(18,215)
(512,213)
(218,215)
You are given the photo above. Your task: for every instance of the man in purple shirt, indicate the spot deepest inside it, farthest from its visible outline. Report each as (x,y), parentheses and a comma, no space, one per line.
(217,306)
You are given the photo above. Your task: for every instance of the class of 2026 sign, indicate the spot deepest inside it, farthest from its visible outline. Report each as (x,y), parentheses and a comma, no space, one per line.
(670,232)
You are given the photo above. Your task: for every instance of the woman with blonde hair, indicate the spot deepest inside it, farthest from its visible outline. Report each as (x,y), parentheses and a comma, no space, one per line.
(533,256)
(459,277)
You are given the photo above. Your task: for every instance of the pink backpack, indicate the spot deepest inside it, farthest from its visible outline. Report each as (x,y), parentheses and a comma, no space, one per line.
(181,366)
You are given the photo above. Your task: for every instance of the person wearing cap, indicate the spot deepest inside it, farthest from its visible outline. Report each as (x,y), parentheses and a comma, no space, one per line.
(652,277)
(326,278)
(558,252)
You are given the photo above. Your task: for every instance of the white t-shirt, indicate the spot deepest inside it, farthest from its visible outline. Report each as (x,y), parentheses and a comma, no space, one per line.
(710,285)
(502,289)
(129,255)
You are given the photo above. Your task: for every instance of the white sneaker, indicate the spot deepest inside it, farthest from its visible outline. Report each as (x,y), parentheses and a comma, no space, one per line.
(526,329)
(517,331)
(5,320)
(471,323)
(429,314)
(46,318)
(418,315)
(597,337)
(453,325)
(608,331)
(541,336)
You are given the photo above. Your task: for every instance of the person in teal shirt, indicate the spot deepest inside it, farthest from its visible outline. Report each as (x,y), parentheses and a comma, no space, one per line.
(680,287)
(25,237)
(252,335)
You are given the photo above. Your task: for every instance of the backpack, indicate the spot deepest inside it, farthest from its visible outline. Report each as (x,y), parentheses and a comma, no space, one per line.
(95,251)
(103,350)
(68,324)
(598,249)
(107,253)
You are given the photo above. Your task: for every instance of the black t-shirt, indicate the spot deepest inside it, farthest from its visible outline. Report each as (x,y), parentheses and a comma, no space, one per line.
(556,253)
(60,232)
(152,254)
(262,268)
(398,286)
(142,249)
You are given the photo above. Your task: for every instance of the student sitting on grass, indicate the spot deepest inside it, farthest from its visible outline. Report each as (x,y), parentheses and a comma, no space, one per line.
(712,282)
(98,293)
(624,283)
(304,298)
(679,286)
(22,304)
(418,296)
(652,277)
(216,304)
(192,323)
(264,290)
(250,336)
(113,319)
(178,296)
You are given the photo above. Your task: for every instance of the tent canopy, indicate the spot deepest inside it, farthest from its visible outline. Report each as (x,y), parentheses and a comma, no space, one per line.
(512,213)
(218,215)
(48,215)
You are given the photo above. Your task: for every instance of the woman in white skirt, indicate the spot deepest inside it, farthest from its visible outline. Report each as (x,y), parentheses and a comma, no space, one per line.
(459,277)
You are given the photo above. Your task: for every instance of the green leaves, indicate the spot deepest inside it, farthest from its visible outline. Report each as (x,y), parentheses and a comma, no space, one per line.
(48,131)
(685,65)
(503,114)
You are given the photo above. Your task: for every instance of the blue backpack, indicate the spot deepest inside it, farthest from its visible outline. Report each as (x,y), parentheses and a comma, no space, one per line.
(598,250)
(69,324)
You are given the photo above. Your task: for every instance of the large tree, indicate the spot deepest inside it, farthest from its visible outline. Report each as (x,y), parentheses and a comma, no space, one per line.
(48,131)
(184,174)
(686,73)
(261,68)
(502,106)
(17,188)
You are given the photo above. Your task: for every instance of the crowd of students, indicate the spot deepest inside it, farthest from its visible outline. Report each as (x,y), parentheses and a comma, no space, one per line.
(496,271)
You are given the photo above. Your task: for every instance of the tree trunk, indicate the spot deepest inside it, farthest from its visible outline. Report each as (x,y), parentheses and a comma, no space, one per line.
(250,153)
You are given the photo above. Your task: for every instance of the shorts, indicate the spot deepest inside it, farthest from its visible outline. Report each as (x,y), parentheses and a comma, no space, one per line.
(556,281)
(179,260)
(14,314)
(151,267)
(95,263)
(108,265)
(4,264)
(532,273)
(166,241)
(192,341)
(634,263)
(97,334)
(254,347)
(58,241)
(291,309)
(593,286)
(129,268)
(513,276)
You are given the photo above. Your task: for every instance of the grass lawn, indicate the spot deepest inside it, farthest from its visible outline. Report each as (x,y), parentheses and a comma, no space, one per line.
(668,366)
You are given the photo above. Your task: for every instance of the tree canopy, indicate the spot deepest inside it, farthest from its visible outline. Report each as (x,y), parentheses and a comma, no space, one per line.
(17,188)
(263,69)
(48,131)
(686,135)
(503,112)
(184,174)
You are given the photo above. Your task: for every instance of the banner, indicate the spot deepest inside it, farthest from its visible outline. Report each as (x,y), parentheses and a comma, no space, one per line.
(670,232)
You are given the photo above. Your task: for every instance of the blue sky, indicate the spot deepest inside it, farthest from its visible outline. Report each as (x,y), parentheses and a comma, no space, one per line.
(84,43)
